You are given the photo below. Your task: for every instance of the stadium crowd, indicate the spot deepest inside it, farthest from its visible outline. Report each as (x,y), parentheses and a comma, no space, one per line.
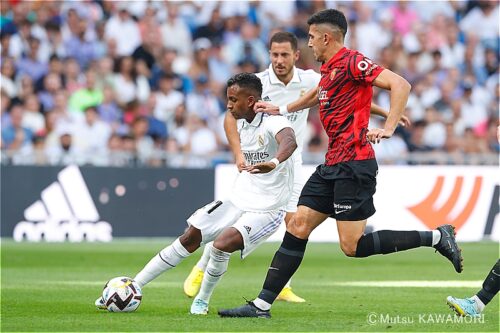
(110,83)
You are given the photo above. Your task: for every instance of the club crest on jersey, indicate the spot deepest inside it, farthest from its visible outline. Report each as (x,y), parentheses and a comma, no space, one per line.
(260,139)
(333,73)
(302,92)
(267,99)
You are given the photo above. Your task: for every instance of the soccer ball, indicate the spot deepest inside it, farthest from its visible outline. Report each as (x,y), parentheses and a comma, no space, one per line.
(122,294)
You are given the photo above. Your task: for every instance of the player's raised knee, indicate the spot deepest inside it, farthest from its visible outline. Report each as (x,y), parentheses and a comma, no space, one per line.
(191,239)
(349,248)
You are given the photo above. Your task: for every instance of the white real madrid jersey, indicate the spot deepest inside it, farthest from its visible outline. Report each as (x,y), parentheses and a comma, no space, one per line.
(275,92)
(266,191)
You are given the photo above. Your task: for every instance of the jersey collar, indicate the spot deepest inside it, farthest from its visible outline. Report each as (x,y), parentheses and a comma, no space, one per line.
(257,120)
(326,67)
(274,79)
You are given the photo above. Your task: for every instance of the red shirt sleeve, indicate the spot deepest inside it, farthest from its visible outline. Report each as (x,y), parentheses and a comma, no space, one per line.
(362,69)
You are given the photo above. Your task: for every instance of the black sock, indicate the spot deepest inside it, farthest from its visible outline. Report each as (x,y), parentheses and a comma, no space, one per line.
(389,241)
(285,262)
(490,285)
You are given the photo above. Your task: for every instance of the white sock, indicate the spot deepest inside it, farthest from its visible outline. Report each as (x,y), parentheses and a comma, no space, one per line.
(166,259)
(479,303)
(216,267)
(436,237)
(205,257)
(288,284)
(261,304)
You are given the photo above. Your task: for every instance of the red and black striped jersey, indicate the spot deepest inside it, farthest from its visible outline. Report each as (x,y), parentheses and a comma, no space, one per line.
(345,94)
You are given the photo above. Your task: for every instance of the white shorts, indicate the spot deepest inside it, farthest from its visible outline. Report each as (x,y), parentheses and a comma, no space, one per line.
(254,227)
(299,180)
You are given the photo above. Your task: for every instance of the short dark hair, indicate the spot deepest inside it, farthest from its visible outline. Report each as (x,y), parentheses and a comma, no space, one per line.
(284,37)
(247,81)
(330,16)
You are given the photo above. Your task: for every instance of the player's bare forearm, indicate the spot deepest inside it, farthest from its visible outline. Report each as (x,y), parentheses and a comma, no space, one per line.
(399,90)
(287,145)
(233,138)
(308,100)
(379,111)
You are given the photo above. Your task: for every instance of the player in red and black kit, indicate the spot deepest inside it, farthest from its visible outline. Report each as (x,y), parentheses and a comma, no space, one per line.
(344,185)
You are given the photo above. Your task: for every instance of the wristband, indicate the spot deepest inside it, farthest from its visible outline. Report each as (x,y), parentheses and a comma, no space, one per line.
(275,161)
(283,110)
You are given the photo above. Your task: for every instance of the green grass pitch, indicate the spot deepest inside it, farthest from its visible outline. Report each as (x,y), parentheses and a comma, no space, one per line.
(52,287)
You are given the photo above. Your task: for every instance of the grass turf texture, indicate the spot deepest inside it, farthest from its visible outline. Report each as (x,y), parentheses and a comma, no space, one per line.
(52,287)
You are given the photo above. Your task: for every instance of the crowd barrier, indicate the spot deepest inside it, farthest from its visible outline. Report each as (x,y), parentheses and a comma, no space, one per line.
(99,203)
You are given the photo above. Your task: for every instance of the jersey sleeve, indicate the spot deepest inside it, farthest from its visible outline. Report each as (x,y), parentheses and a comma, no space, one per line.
(274,124)
(362,69)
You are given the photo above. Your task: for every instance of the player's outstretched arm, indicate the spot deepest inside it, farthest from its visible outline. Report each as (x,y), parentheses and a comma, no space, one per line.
(400,90)
(231,130)
(379,111)
(308,100)
(287,145)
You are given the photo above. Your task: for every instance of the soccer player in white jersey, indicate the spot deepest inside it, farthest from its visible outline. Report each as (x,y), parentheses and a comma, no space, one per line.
(282,83)
(255,208)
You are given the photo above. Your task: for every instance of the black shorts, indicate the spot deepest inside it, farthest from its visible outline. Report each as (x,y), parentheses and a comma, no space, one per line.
(344,190)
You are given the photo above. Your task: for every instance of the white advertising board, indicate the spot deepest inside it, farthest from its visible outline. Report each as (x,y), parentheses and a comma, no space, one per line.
(416,198)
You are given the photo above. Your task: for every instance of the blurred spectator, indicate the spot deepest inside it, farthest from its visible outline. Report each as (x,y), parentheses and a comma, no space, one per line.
(371,37)
(144,144)
(88,96)
(51,85)
(434,135)
(73,77)
(195,137)
(199,66)
(204,103)
(128,85)
(149,25)
(15,136)
(167,100)
(146,51)
(248,46)
(175,26)
(417,143)
(485,15)
(403,16)
(64,153)
(214,29)
(8,71)
(108,110)
(123,30)
(79,46)
(91,136)
(32,117)
(30,64)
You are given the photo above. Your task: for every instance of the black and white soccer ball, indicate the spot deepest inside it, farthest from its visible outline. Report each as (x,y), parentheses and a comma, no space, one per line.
(122,294)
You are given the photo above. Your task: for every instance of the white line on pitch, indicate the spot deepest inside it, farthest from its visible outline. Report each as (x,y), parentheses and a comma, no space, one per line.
(409,284)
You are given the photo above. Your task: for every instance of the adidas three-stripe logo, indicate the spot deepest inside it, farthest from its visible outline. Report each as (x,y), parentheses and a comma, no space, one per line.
(65,212)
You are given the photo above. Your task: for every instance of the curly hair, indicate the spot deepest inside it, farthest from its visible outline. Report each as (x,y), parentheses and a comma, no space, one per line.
(248,81)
